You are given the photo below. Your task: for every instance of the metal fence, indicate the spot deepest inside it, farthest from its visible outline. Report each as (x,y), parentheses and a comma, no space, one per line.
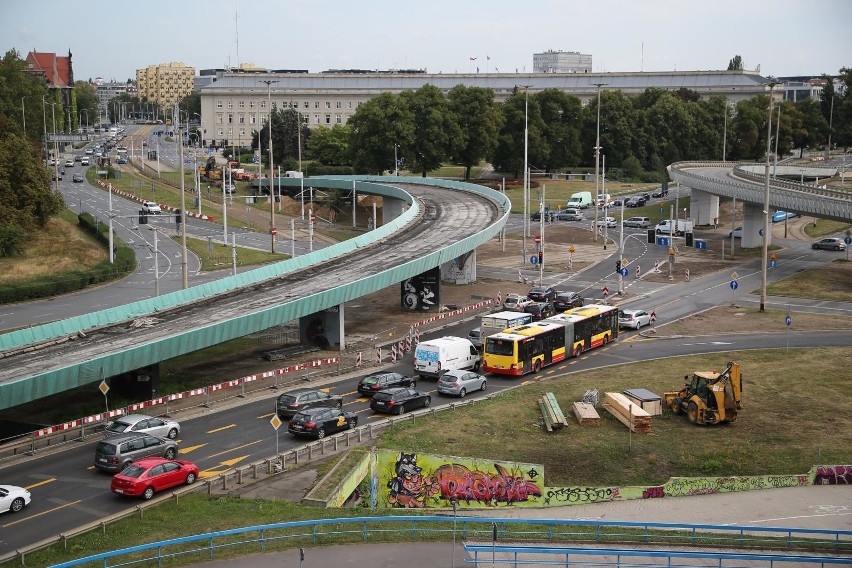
(836,545)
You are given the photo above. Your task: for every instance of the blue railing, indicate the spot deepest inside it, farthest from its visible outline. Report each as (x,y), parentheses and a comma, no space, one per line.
(330,531)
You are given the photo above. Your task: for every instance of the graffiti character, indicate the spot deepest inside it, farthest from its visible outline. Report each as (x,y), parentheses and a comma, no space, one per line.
(409,488)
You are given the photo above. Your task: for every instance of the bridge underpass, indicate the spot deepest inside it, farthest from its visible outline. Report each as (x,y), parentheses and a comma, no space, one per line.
(444,220)
(746,183)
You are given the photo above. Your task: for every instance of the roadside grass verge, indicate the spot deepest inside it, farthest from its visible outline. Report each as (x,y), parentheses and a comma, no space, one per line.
(829,282)
(218,256)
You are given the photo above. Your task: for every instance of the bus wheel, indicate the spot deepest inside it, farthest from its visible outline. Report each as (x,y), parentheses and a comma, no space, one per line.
(537,366)
(577,351)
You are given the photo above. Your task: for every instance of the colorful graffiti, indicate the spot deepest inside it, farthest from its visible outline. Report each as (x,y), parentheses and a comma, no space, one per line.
(414,481)
(579,495)
(833,475)
(682,486)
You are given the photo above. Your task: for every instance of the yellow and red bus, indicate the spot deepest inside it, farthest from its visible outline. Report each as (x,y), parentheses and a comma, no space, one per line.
(527,348)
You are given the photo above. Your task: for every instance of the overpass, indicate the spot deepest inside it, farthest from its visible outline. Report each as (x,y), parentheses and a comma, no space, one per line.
(746,183)
(443,220)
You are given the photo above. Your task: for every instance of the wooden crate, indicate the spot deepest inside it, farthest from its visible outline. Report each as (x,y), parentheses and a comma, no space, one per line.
(627,412)
(586,414)
(647,401)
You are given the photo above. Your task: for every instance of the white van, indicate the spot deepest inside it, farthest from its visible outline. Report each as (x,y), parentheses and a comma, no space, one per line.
(580,200)
(435,357)
(678,227)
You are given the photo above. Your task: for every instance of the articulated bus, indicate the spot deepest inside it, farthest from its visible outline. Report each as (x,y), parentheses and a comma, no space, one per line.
(527,348)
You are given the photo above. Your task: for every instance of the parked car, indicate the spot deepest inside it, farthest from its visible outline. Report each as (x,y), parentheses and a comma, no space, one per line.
(638,222)
(516,302)
(660,192)
(542,294)
(566,301)
(540,310)
(115,453)
(145,477)
(151,208)
(295,401)
(475,337)
(163,427)
(459,383)
(375,382)
(13,498)
(78,178)
(399,400)
(318,422)
(569,215)
(610,222)
(633,318)
(737,233)
(779,216)
(830,243)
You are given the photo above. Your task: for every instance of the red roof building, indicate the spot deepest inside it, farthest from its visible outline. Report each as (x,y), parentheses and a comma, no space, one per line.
(57,71)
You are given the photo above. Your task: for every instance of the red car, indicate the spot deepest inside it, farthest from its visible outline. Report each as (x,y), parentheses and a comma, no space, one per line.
(149,475)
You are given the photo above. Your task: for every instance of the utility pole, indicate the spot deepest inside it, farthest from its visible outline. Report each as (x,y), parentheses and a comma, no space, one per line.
(597,161)
(272,230)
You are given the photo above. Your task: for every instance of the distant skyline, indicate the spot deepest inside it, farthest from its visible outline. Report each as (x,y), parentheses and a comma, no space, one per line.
(112,40)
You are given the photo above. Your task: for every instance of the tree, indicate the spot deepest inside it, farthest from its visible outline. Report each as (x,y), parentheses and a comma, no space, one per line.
(330,146)
(87,103)
(379,125)
(843,111)
(479,120)
(436,129)
(561,118)
(21,95)
(509,155)
(735,64)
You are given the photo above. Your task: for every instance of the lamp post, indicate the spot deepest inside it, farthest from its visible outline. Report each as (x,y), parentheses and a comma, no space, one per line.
(24,114)
(765,255)
(597,161)
(56,161)
(526,229)
(183,264)
(44,120)
(272,231)
(85,110)
(725,131)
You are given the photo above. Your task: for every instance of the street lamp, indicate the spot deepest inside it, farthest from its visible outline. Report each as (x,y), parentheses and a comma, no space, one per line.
(597,162)
(526,229)
(24,114)
(765,255)
(272,231)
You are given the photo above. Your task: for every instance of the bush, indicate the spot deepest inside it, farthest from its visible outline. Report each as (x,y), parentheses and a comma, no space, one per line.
(316,169)
(11,240)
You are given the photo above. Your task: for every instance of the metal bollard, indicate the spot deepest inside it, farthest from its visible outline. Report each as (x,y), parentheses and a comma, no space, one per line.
(254,467)
(224,482)
(239,477)
(335,441)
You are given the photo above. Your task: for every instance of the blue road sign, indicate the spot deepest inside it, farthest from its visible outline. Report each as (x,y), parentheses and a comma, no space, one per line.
(788,320)
(848,240)
(734,285)
(623,272)
(760,232)
(534,259)
(772,264)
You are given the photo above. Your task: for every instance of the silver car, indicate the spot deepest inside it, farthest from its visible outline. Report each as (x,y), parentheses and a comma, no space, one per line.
(459,382)
(160,426)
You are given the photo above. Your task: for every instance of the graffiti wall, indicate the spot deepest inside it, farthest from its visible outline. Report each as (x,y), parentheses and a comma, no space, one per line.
(461,270)
(422,292)
(409,480)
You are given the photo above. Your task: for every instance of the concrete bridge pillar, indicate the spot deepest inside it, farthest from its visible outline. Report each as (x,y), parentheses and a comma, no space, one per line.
(324,329)
(460,270)
(753,220)
(391,209)
(704,208)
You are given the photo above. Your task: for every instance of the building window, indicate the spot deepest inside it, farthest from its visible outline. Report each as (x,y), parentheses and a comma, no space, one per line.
(349,105)
(230,104)
(328,105)
(307,105)
(338,119)
(262,104)
(219,132)
(218,104)
(242,104)
(251,104)
(252,119)
(316,119)
(328,119)
(219,118)
(242,119)
(316,104)
(230,118)
(339,104)
(242,132)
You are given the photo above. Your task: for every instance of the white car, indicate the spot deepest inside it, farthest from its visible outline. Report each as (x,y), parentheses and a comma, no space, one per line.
(84,161)
(13,498)
(151,207)
(460,382)
(516,302)
(633,318)
(736,233)
(607,222)
(160,426)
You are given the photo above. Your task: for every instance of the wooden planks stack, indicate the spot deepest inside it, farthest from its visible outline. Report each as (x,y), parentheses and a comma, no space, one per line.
(627,412)
(554,419)
(586,414)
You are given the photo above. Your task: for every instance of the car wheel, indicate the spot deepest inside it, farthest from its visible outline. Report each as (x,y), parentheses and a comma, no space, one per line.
(17,505)
(353,422)
(190,478)
(339,405)
(482,388)
(149,492)
(172,433)
(401,409)
(320,433)
(476,366)
(462,393)
(427,402)
(413,384)
(815,247)
(170,454)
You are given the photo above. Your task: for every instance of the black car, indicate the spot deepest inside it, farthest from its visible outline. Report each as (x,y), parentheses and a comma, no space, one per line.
(295,401)
(636,201)
(567,300)
(549,215)
(399,400)
(542,294)
(375,382)
(318,422)
(661,192)
(540,310)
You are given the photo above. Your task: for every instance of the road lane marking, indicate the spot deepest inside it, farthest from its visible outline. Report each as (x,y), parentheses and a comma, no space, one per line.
(222,428)
(237,448)
(188,449)
(45,482)
(266,415)
(42,513)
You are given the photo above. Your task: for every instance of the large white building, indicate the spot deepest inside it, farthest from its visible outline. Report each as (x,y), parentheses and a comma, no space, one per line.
(560,61)
(236,104)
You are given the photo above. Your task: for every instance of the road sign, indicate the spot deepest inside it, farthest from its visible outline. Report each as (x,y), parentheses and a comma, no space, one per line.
(734,276)
(734,285)
(605,291)
(788,320)
(773,256)
(772,263)
(671,252)
(534,259)
(760,232)
(537,239)
(276,422)
(848,240)
(572,250)
(623,272)
(653,317)
(103,387)
(274,231)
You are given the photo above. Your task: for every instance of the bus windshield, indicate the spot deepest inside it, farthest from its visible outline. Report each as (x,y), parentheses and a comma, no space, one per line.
(499,346)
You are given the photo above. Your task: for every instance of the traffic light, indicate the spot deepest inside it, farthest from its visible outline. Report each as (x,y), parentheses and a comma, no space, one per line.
(540,256)
(143,217)
(618,266)
(178,217)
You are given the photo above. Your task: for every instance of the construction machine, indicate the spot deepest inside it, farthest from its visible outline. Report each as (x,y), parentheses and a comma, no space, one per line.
(710,397)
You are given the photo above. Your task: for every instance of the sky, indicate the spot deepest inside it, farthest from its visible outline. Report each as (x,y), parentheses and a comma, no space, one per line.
(112,39)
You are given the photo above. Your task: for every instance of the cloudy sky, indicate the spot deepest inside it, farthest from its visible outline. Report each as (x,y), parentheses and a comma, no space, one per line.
(113,39)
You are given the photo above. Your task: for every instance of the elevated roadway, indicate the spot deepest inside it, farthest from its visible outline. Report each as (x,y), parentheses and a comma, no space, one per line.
(444,220)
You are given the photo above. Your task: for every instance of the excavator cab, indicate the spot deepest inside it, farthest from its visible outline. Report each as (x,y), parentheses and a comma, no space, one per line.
(709,397)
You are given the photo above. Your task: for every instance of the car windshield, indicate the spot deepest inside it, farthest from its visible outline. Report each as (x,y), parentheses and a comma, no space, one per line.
(133,471)
(118,427)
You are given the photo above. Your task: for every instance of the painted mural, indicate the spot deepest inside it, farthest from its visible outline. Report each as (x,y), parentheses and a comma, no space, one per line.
(409,480)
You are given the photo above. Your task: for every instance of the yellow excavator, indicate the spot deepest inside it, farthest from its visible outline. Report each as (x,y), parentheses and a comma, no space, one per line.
(710,397)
